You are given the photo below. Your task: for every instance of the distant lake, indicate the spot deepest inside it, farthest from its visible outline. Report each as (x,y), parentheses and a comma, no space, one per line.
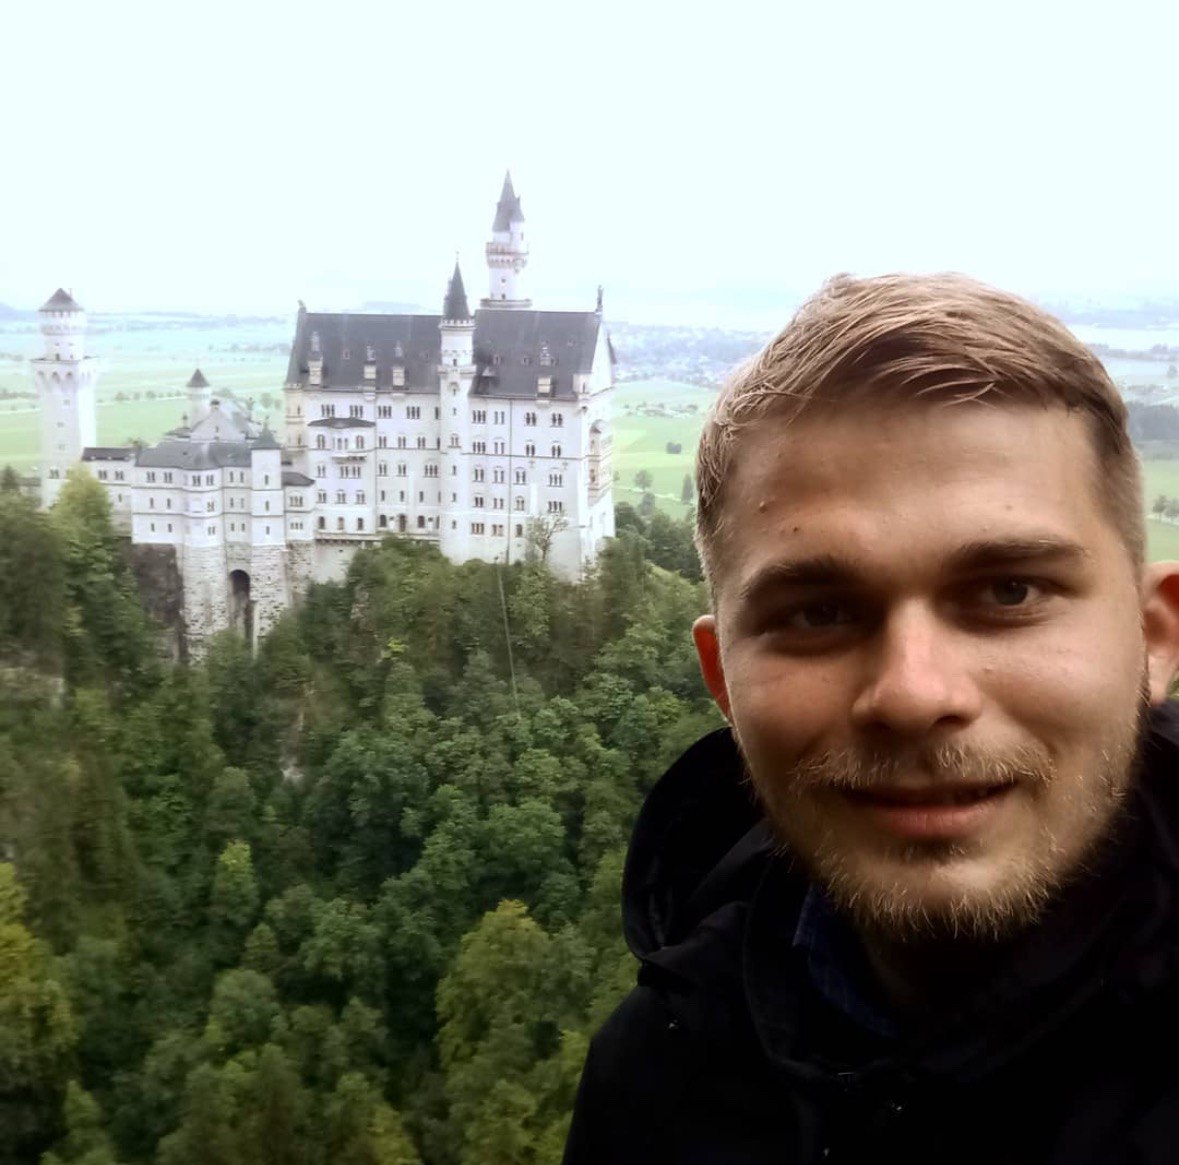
(1128,339)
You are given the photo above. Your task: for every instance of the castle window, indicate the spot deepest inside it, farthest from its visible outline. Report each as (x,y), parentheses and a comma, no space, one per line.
(267,504)
(360,523)
(437,412)
(208,479)
(497,503)
(321,442)
(167,479)
(479,417)
(478,472)
(119,475)
(360,497)
(320,471)
(151,503)
(153,527)
(557,420)
(323,523)
(478,501)
(356,411)
(519,530)
(402,471)
(321,496)
(102,475)
(498,446)
(556,479)
(359,442)
(151,476)
(453,524)
(421,442)
(497,531)
(478,446)
(498,418)
(476,527)
(529,450)
(266,479)
(413,412)
(432,470)
(519,503)
(401,495)
(209,507)
(383,469)
(556,451)
(497,475)
(384,412)
(530,418)
(339,497)
(169,527)
(339,523)
(421,495)
(383,522)
(267,529)
(556,507)
(521,477)
(382,442)
(401,441)
(454,441)
(421,522)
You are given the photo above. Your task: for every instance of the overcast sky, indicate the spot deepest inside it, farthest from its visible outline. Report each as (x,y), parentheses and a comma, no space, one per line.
(715,160)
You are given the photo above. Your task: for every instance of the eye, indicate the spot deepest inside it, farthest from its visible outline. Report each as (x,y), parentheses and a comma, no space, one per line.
(819,615)
(1011,592)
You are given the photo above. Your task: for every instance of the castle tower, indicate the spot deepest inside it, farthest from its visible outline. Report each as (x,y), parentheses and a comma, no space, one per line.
(200,397)
(65,377)
(456,372)
(268,580)
(507,253)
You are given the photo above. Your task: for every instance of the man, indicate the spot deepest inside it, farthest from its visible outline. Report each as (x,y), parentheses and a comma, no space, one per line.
(920,902)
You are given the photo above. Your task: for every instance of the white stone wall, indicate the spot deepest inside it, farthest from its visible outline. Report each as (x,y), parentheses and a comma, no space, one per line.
(205,574)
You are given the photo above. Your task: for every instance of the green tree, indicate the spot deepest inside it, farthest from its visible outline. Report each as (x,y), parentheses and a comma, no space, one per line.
(37,1032)
(643,480)
(86,1141)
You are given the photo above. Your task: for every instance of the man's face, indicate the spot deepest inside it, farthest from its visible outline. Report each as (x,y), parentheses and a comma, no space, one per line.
(928,640)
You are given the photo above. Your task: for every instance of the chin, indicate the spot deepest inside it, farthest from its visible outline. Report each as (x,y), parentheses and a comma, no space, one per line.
(931,896)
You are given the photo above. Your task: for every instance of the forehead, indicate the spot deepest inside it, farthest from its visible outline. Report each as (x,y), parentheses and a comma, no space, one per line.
(912,484)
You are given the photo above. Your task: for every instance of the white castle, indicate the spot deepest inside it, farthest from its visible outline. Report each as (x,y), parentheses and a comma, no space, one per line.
(486,433)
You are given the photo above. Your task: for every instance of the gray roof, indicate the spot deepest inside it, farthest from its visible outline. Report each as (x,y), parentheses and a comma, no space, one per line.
(508,210)
(265,440)
(109,453)
(197,380)
(196,455)
(454,307)
(292,477)
(60,300)
(341,423)
(514,336)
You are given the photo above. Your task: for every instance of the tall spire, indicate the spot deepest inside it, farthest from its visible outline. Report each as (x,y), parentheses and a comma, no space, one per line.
(455,306)
(507,210)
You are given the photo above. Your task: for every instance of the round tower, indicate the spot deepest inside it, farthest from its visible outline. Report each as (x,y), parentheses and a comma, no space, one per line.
(507,253)
(65,378)
(200,398)
(456,372)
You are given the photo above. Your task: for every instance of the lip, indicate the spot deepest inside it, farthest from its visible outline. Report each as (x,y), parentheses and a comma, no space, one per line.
(935,813)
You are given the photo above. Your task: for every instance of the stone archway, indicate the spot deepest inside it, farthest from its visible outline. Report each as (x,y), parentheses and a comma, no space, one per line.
(241,606)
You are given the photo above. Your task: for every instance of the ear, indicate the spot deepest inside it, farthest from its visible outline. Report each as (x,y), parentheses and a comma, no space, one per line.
(708,651)
(1160,626)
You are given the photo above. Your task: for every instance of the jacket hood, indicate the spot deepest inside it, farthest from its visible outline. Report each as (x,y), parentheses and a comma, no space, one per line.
(698,844)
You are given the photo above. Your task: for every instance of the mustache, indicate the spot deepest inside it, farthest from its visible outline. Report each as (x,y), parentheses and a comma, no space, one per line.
(858,769)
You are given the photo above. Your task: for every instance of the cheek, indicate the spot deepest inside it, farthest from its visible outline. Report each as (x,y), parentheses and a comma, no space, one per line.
(788,712)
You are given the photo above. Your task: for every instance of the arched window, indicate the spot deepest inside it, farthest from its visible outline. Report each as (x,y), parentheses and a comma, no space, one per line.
(339,523)
(323,523)
(556,450)
(321,442)
(359,442)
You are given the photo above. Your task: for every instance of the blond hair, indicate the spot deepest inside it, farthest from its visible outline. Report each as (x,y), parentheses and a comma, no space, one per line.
(943,338)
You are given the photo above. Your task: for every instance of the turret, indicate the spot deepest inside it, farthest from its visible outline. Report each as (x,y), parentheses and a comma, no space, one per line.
(200,397)
(507,252)
(458,325)
(65,377)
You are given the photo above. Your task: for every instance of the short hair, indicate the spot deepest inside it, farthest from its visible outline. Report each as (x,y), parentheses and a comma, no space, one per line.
(942,338)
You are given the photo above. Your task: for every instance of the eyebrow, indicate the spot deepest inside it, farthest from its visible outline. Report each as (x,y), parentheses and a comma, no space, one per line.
(830,570)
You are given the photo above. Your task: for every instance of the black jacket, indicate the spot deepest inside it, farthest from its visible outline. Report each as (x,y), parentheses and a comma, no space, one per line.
(725,1052)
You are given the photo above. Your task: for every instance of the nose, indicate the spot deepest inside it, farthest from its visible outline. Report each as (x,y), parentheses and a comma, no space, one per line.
(917,678)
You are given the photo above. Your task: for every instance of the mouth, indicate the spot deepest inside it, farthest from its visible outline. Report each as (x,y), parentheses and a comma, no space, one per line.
(932,812)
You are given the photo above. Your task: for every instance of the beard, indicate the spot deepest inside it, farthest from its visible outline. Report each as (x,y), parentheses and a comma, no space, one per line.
(924,892)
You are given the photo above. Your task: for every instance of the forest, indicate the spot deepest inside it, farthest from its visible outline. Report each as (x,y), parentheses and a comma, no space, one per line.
(351,900)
